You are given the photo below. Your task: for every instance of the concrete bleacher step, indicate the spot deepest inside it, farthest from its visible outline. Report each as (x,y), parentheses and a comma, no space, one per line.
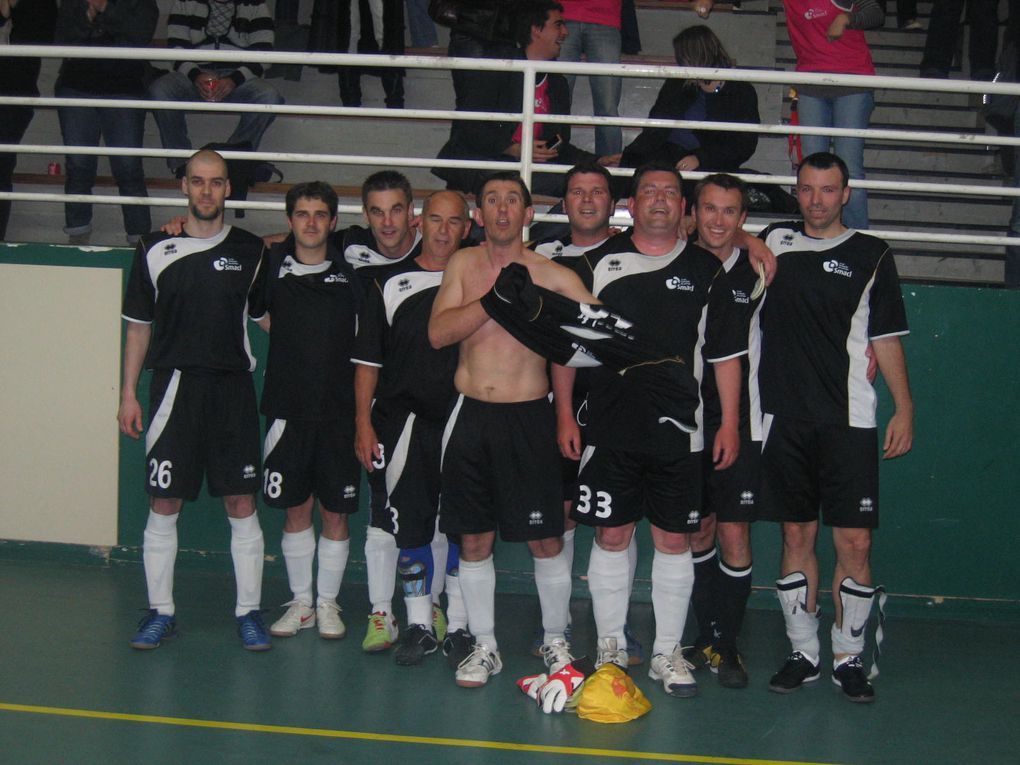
(947,210)
(904,159)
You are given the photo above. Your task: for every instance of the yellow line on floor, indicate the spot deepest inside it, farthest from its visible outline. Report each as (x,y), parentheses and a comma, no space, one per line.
(391,738)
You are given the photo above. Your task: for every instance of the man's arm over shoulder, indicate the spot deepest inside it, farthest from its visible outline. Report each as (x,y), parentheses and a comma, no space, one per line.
(452,319)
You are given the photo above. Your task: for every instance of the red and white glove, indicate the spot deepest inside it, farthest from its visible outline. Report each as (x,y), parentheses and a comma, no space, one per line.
(531,685)
(561,685)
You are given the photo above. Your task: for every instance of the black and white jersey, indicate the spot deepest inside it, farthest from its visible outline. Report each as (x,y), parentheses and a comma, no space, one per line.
(394,335)
(683,302)
(828,299)
(313,312)
(742,279)
(562,250)
(195,294)
(359,247)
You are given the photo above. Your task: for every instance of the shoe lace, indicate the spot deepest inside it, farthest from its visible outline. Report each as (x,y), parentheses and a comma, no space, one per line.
(153,625)
(378,622)
(556,651)
(329,605)
(479,655)
(252,627)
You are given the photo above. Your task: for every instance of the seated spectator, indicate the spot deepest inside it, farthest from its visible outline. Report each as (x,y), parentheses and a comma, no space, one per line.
(104,23)
(709,101)
(540,33)
(21,23)
(244,25)
(361,26)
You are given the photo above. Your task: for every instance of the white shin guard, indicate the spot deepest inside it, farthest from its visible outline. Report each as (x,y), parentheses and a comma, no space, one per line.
(856,599)
(159,554)
(381,555)
(801,625)
(247,548)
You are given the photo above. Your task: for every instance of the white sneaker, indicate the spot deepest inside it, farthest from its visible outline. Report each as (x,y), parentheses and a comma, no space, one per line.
(675,674)
(478,667)
(331,626)
(608,653)
(556,655)
(298,616)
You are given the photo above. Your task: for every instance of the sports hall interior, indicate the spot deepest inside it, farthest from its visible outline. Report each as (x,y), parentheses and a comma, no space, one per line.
(72,506)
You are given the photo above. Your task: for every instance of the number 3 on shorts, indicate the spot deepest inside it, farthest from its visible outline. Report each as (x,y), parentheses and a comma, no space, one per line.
(603,502)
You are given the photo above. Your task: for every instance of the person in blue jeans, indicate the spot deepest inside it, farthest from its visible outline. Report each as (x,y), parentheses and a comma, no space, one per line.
(423,31)
(103,23)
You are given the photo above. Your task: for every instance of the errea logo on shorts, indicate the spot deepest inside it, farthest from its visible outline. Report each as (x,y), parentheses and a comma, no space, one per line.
(835,267)
(867,505)
(226,264)
(677,283)
(249,472)
(693,516)
(535,518)
(747,497)
(350,492)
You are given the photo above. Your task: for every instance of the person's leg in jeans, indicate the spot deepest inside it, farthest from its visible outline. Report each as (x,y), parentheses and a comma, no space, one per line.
(253,125)
(423,31)
(983,40)
(814,112)
(126,127)
(79,126)
(940,44)
(172,123)
(853,111)
(13,124)
(600,45)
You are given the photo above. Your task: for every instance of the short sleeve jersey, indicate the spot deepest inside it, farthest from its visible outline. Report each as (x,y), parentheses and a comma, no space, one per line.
(682,300)
(313,321)
(829,298)
(562,250)
(393,335)
(359,247)
(195,294)
(744,313)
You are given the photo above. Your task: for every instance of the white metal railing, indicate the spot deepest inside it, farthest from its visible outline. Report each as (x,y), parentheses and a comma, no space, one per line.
(526,116)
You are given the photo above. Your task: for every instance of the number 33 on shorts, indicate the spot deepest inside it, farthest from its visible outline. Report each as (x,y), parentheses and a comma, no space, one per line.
(603,502)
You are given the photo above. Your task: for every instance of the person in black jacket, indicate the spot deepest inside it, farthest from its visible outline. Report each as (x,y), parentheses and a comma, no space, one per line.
(104,23)
(709,101)
(541,31)
(26,22)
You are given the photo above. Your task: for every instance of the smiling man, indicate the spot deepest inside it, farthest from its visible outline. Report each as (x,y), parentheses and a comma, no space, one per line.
(185,304)
(837,289)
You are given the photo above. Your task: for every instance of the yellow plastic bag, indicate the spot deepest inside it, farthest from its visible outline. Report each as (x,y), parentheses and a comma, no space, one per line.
(610,696)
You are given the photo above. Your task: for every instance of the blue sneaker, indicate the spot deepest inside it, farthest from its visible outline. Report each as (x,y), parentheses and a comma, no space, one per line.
(153,629)
(253,632)
(635,651)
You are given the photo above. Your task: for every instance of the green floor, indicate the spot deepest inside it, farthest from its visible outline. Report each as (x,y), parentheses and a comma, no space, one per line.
(71,691)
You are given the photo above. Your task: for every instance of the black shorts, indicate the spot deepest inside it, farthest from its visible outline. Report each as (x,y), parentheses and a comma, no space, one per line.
(311,457)
(501,470)
(201,424)
(405,481)
(616,487)
(819,469)
(731,495)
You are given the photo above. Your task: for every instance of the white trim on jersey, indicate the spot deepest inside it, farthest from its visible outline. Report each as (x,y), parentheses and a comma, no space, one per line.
(134,321)
(698,436)
(361,255)
(291,265)
(556,249)
(396,461)
(162,415)
(402,286)
(586,454)
(860,393)
(630,263)
(755,413)
(365,363)
(891,334)
(164,254)
(273,436)
(448,430)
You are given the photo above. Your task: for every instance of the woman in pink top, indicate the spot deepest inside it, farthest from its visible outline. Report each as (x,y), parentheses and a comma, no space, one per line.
(594,30)
(828,36)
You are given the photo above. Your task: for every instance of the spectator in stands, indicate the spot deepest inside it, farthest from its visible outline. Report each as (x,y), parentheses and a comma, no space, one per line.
(703,100)
(485,32)
(104,23)
(22,22)
(361,26)
(828,36)
(423,31)
(242,25)
(906,15)
(943,28)
(540,33)
(594,31)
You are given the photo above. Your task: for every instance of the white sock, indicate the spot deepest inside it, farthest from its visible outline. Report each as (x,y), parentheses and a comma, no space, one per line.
(568,548)
(332,562)
(607,583)
(247,548)
(298,552)
(419,610)
(159,553)
(478,584)
(440,551)
(672,584)
(631,562)
(456,613)
(552,579)
(381,555)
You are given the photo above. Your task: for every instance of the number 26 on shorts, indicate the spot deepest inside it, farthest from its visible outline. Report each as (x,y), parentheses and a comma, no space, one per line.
(603,502)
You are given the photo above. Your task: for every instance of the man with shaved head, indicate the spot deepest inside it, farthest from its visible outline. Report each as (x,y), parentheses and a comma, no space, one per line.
(399,434)
(186,304)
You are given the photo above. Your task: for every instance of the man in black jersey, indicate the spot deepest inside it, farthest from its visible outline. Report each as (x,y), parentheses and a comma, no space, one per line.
(186,303)
(307,298)
(836,290)
(722,586)
(634,464)
(399,434)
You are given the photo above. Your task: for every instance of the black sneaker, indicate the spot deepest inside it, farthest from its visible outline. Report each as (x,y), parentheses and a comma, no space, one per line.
(730,668)
(415,644)
(793,674)
(701,654)
(850,677)
(457,646)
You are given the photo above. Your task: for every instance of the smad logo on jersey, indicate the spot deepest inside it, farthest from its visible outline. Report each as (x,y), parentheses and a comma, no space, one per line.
(226,264)
(835,267)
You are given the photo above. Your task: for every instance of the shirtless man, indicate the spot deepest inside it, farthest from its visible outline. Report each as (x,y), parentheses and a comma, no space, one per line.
(500,463)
